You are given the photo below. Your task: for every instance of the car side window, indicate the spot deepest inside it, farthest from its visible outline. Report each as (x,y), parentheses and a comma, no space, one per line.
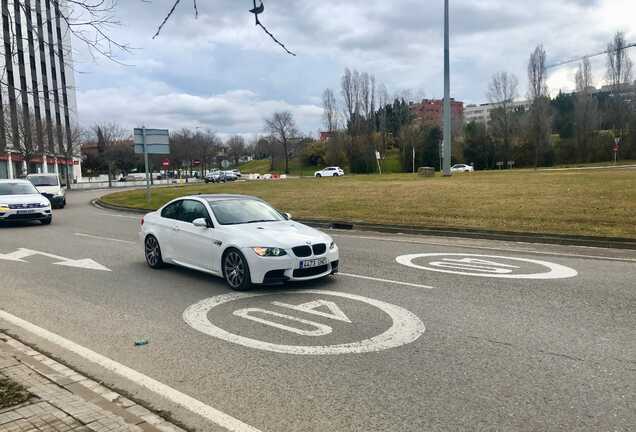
(191,210)
(172,211)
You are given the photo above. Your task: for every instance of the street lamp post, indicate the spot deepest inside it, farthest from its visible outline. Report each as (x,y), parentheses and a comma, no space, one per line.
(447,103)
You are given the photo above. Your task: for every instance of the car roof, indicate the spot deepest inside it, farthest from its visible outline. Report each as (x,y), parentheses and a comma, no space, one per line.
(223,197)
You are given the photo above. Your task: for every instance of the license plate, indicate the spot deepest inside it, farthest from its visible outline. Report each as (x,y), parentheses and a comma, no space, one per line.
(26,211)
(313,263)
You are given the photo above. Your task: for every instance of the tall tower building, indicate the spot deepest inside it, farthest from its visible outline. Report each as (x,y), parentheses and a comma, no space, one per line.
(37,90)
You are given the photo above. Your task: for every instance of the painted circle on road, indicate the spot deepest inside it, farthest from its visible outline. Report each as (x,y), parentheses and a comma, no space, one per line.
(406,327)
(485,266)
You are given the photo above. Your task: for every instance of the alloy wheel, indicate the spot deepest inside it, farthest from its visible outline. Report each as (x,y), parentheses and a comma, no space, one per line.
(234,269)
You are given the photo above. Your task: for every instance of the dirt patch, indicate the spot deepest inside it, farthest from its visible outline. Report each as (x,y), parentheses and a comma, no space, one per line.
(11,393)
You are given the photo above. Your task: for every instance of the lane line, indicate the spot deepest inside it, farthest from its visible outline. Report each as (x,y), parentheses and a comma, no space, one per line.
(385,280)
(531,251)
(105,238)
(189,403)
(137,218)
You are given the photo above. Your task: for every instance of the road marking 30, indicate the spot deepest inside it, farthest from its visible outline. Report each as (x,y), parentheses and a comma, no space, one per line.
(189,403)
(476,265)
(405,327)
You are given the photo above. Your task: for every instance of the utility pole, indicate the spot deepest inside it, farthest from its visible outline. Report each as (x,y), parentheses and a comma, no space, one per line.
(447,104)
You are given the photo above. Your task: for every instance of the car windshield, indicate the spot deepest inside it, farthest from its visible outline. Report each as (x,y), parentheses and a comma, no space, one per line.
(18,188)
(243,211)
(44,180)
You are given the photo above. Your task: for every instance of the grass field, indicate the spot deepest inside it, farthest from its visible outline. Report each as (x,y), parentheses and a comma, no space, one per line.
(262,166)
(583,202)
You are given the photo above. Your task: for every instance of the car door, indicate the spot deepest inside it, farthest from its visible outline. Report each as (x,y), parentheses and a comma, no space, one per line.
(166,228)
(196,246)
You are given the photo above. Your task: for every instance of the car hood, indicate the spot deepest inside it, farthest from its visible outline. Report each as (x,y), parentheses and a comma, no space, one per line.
(283,234)
(54,190)
(23,199)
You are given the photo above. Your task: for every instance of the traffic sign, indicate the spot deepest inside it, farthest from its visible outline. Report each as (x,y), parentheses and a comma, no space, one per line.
(165,163)
(196,162)
(225,164)
(157,141)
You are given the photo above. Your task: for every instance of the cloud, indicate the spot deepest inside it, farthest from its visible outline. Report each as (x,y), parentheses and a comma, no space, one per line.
(153,105)
(221,72)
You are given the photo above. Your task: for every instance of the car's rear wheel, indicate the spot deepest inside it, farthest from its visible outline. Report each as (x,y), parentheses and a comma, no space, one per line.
(318,175)
(153,252)
(236,270)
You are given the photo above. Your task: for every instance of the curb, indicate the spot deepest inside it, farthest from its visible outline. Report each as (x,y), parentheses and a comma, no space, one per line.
(568,240)
(59,392)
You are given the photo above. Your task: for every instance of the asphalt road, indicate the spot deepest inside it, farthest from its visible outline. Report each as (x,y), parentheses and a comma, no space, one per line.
(420,349)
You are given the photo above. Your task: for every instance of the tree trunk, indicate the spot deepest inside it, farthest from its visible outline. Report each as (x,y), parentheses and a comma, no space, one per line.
(286,157)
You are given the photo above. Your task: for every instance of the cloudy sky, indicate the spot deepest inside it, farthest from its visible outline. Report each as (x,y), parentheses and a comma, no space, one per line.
(222,73)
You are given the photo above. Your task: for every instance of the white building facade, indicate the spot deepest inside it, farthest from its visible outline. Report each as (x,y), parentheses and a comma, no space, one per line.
(38,121)
(481,113)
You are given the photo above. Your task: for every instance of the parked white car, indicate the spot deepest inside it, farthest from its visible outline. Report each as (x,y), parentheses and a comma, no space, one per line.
(329,172)
(49,185)
(462,168)
(240,238)
(20,200)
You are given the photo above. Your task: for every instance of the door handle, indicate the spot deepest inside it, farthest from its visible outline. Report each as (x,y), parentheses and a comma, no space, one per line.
(175,228)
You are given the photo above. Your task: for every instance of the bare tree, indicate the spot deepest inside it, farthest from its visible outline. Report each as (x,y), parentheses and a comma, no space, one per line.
(110,136)
(539,122)
(349,96)
(330,110)
(502,91)
(585,109)
(619,74)
(236,147)
(282,128)
(72,149)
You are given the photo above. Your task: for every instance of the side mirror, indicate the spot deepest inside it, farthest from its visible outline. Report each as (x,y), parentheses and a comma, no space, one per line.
(200,223)
(287,216)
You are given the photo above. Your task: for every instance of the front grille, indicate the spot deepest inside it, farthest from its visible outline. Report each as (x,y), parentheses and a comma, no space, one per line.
(308,272)
(274,277)
(24,206)
(302,251)
(30,216)
(319,248)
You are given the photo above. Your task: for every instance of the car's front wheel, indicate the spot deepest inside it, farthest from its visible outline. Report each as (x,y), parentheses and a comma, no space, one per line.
(236,271)
(47,221)
(153,252)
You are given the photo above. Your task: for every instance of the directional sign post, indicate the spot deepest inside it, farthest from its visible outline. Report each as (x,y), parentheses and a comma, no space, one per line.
(151,141)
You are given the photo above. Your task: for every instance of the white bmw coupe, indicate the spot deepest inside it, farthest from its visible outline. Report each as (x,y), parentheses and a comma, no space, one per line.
(240,238)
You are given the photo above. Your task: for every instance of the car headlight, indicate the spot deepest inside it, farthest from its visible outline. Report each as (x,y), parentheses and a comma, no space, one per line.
(4,207)
(269,252)
(332,246)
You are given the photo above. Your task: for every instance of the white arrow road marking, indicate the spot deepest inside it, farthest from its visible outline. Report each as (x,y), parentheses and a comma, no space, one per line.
(17,256)
(86,263)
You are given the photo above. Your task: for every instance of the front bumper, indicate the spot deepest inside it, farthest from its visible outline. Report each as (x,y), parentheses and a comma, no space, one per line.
(57,201)
(16,215)
(275,270)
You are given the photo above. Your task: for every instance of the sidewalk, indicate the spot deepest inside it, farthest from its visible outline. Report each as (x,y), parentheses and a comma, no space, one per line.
(65,401)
